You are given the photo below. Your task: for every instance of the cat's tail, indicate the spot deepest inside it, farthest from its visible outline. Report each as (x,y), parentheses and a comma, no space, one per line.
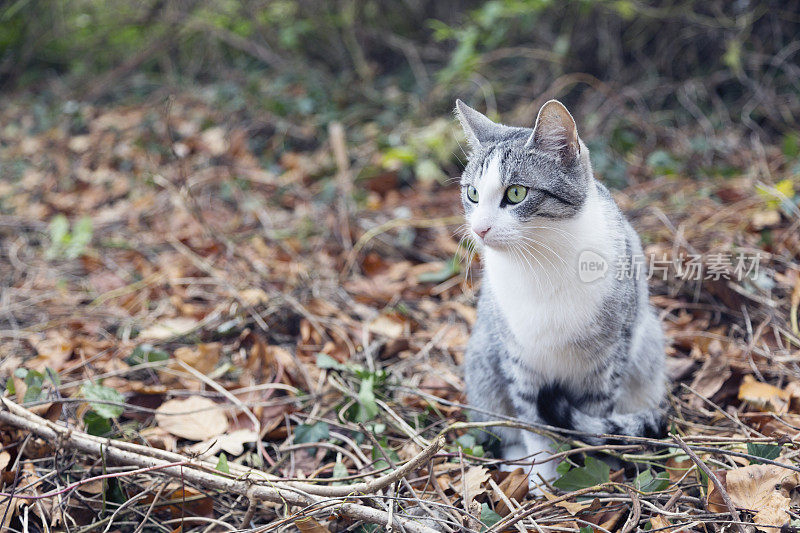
(557,410)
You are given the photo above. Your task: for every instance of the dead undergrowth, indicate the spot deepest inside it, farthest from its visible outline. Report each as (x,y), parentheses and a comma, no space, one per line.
(274,347)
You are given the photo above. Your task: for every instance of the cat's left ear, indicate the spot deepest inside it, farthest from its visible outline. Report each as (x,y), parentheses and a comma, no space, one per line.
(555,131)
(478,127)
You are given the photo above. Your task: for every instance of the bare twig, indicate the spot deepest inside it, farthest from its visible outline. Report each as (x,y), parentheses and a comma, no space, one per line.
(714,479)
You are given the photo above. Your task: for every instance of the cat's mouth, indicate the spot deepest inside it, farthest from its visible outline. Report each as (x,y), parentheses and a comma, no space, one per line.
(492,240)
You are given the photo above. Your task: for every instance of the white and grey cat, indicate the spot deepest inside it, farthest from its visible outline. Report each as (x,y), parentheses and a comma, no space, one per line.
(548,347)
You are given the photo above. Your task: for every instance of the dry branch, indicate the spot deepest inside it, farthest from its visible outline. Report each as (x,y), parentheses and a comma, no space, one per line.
(196,472)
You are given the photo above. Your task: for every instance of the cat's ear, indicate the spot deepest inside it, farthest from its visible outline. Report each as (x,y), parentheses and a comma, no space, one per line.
(555,132)
(478,127)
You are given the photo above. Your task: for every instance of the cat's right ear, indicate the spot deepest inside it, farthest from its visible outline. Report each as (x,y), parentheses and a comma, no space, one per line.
(478,127)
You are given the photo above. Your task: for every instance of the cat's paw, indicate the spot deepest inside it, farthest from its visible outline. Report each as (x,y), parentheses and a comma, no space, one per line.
(512,453)
(535,467)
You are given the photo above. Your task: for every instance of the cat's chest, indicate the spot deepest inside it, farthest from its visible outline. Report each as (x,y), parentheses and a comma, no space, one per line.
(544,322)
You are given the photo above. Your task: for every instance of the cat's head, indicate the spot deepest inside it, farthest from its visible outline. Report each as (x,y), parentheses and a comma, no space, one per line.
(518,179)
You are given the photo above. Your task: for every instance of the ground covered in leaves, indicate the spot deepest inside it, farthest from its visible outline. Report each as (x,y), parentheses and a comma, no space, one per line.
(256,294)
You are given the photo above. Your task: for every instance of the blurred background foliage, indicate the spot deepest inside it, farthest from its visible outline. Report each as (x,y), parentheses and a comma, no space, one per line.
(701,77)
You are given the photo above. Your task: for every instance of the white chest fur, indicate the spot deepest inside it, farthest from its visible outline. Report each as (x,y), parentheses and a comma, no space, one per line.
(541,295)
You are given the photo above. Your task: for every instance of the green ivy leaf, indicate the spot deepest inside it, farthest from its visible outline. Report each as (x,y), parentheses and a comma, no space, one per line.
(32,394)
(488,517)
(81,237)
(311,432)
(339,470)
(377,456)
(647,482)
(765,451)
(146,353)
(594,472)
(98,393)
(96,425)
(367,407)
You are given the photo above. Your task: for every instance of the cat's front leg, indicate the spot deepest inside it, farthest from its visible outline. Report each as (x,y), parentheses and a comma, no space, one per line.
(540,450)
(533,454)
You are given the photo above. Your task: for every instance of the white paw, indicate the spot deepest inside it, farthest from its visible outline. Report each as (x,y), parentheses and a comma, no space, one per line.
(537,466)
(512,453)
(541,472)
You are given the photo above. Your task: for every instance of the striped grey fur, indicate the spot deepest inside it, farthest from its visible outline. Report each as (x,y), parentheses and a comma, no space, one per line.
(604,374)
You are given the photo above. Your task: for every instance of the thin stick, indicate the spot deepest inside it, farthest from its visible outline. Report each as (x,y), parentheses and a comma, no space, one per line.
(714,479)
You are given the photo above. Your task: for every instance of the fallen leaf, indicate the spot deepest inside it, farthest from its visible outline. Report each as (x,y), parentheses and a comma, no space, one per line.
(572,507)
(192,418)
(763,395)
(232,443)
(157,437)
(515,487)
(184,501)
(202,357)
(5,458)
(713,374)
(762,489)
(53,351)
(387,326)
(309,524)
(168,328)
(664,525)
(473,483)
(678,466)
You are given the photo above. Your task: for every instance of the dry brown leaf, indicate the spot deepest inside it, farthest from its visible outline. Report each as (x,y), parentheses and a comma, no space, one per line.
(677,467)
(168,328)
(192,418)
(515,487)
(762,489)
(601,515)
(184,501)
(472,484)
(664,525)
(309,524)
(159,438)
(5,458)
(387,326)
(31,481)
(763,396)
(714,373)
(572,507)
(253,296)
(231,443)
(202,357)
(53,351)
(93,487)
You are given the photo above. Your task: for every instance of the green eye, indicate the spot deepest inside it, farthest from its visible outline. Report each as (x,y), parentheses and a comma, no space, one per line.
(472,194)
(516,193)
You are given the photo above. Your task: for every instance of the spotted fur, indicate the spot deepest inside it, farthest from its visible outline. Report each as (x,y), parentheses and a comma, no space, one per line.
(548,347)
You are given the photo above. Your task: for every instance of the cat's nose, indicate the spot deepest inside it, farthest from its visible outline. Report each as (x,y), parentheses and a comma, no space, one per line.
(482,231)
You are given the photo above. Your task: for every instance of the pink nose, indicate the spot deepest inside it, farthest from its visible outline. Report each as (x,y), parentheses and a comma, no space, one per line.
(483,231)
